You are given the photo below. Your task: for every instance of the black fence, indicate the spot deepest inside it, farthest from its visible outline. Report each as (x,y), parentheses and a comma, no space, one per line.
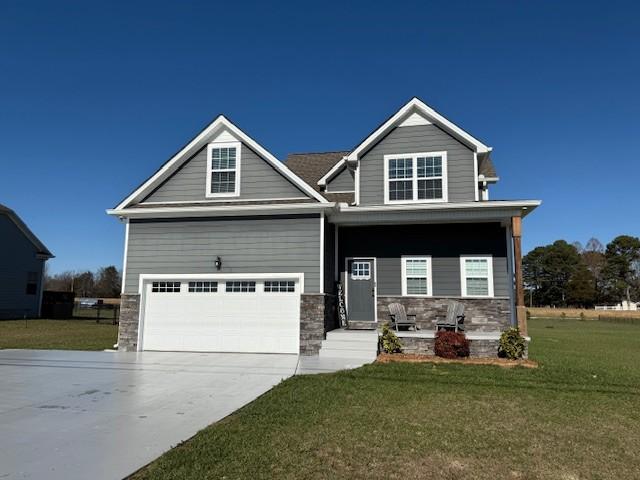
(97,311)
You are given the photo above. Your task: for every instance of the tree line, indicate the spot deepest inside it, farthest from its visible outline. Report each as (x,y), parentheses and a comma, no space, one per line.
(104,282)
(563,274)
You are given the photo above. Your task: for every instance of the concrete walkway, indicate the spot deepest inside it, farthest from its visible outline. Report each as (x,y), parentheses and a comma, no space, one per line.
(103,415)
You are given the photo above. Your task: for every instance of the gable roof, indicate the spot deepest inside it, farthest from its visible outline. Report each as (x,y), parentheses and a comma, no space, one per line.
(13,216)
(311,167)
(220,123)
(415,105)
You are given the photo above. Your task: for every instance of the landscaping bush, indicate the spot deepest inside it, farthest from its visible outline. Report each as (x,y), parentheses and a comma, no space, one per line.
(512,344)
(451,345)
(389,341)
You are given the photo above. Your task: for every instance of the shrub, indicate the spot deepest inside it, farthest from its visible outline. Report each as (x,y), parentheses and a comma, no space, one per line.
(451,345)
(582,316)
(389,341)
(512,344)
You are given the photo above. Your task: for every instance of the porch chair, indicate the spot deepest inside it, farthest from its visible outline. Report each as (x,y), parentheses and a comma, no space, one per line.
(454,319)
(399,317)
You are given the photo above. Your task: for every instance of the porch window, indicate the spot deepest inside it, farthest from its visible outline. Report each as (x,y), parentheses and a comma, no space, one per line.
(416,276)
(361,271)
(416,177)
(223,176)
(476,276)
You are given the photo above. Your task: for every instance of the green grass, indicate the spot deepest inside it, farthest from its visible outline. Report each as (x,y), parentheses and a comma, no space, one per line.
(575,417)
(57,334)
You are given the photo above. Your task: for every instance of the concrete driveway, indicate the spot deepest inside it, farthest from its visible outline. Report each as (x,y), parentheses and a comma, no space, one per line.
(103,415)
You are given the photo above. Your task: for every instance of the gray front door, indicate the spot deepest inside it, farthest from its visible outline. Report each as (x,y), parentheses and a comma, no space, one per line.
(361,289)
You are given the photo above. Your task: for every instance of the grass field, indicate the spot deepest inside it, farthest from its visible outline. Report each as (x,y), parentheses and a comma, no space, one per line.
(541,312)
(57,334)
(575,417)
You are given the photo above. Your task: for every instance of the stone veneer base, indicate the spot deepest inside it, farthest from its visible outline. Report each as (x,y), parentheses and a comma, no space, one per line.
(128,328)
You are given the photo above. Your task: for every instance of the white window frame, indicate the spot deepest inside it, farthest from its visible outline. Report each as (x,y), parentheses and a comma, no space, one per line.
(217,145)
(360,277)
(463,275)
(429,275)
(414,158)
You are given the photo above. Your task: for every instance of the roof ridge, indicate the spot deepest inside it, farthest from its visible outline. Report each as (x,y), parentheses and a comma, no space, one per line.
(318,153)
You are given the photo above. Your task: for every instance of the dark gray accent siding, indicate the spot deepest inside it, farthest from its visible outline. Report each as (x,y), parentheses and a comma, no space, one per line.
(445,244)
(17,259)
(329,257)
(254,245)
(417,139)
(258,180)
(342,182)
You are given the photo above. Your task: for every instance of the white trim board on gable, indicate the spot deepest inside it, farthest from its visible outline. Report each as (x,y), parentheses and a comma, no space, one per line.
(218,129)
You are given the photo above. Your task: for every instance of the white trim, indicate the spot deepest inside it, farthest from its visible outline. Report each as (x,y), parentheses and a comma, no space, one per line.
(145,277)
(463,275)
(223,200)
(330,174)
(321,289)
(218,210)
(525,204)
(431,115)
(414,159)
(340,191)
(475,175)
(414,119)
(236,170)
(429,275)
(375,284)
(357,184)
(124,260)
(220,122)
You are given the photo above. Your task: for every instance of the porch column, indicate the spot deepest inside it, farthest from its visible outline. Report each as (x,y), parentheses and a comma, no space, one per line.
(521,313)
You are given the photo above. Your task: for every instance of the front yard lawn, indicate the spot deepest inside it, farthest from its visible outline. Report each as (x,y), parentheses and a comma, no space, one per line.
(575,417)
(57,334)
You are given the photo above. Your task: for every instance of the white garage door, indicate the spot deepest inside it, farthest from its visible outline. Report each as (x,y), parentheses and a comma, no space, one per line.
(238,314)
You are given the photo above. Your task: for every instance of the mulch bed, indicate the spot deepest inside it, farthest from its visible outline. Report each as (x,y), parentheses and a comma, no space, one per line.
(415,358)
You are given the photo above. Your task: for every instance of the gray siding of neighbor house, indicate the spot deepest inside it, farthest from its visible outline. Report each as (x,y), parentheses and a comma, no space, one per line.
(277,244)
(17,259)
(343,182)
(258,180)
(445,244)
(418,139)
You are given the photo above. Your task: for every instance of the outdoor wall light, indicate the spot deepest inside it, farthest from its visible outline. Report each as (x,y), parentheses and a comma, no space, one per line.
(218,263)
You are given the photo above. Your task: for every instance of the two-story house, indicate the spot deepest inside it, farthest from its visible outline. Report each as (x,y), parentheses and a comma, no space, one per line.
(228,249)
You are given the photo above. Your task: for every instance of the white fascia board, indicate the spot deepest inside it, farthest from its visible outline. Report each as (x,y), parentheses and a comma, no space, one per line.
(220,122)
(527,204)
(432,116)
(212,211)
(331,173)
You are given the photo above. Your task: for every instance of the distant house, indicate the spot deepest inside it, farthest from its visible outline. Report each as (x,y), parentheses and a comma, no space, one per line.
(22,259)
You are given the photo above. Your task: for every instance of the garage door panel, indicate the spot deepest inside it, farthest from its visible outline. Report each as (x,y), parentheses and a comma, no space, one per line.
(256,322)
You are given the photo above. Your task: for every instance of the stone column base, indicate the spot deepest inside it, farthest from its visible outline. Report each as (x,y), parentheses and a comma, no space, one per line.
(129,318)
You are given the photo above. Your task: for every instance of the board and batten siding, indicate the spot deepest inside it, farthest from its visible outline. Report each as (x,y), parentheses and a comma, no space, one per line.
(342,182)
(444,243)
(258,180)
(282,244)
(418,139)
(17,259)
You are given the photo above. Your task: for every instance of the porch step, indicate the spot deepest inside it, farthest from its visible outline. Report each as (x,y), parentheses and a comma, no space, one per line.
(359,344)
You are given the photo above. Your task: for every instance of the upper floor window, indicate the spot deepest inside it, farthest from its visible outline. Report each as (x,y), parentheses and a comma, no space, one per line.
(476,276)
(415,177)
(223,169)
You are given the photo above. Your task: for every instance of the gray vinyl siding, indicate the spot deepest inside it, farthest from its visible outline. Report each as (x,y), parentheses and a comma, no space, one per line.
(283,244)
(444,243)
(343,182)
(258,180)
(417,139)
(17,259)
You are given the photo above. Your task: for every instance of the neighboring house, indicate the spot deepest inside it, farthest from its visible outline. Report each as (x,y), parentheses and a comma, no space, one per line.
(22,259)
(229,249)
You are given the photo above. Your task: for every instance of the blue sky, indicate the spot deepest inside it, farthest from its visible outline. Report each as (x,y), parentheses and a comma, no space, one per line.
(95,96)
